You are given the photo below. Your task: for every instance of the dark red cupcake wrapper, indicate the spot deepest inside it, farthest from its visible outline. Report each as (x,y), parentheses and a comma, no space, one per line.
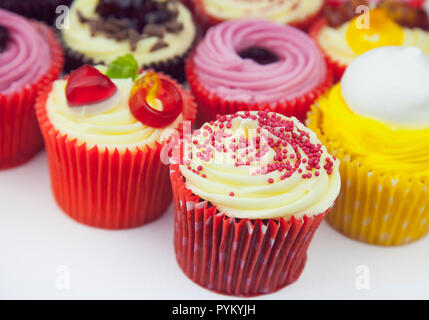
(110,190)
(240,257)
(206,20)
(211,104)
(337,68)
(20,137)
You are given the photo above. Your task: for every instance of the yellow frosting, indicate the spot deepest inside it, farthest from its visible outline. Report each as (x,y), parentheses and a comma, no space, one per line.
(253,195)
(382,32)
(275,10)
(334,41)
(103,50)
(112,127)
(384,145)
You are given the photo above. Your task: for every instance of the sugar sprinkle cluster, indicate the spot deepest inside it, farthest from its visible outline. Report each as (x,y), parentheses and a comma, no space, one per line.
(291,149)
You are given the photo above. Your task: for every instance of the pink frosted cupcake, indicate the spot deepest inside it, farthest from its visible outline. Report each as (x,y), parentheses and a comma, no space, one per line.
(30,58)
(255,65)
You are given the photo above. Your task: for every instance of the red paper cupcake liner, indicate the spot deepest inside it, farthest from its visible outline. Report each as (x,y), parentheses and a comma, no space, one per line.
(110,190)
(206,20)
(211,104)
(337,68)
(20,137)
(240,257)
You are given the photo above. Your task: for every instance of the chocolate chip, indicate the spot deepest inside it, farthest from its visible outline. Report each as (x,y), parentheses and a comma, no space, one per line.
(159,45)
(154,30)
(81,17)
(134,20)
(174,26)
(134,37)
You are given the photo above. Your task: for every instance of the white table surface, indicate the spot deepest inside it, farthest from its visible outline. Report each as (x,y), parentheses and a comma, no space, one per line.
(46,255)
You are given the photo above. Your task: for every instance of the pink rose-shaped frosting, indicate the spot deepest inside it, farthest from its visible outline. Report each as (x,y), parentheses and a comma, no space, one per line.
(300,66)
(27,55)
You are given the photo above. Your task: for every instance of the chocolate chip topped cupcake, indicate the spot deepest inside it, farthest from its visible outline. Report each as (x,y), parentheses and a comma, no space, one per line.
(159,34)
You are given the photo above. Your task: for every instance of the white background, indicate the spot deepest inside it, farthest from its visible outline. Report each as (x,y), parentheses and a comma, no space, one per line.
(36,239)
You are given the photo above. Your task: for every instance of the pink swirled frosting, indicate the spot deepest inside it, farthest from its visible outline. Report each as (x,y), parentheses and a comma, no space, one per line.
(300,67)
(27,55)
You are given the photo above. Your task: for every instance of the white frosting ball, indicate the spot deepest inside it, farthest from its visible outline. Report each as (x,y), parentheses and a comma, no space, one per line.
(389,84)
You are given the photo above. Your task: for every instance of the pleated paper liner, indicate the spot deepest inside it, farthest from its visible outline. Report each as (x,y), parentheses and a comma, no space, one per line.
(174,66)
(337,67)
(206,20)
(375,206)
(239,257)
(107,188)
(20,137)
(211,104)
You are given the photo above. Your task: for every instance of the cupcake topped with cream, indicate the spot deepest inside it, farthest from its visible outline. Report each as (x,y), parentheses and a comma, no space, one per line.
(275,10)
(115,107)
(152,30)
(351,30)
(258,61)
(25,55)
(260,165)
(380,110)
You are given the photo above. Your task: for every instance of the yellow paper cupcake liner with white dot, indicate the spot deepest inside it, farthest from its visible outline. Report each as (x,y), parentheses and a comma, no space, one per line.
(377,207)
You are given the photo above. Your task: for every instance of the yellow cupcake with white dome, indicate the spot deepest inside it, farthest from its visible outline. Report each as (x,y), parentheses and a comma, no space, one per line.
(376,121)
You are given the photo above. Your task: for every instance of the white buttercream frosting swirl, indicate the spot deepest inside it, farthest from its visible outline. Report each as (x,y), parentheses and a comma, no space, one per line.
(260,165)
(389,84)
(108,124)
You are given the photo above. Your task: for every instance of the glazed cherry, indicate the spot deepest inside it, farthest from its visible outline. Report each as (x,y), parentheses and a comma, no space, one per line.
(87,85)
(151,93)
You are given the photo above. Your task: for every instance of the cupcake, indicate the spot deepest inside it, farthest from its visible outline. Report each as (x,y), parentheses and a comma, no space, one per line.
(376,121)
(44,10)
(30,58)
(158,33)
(105,132)
(249,194)
(343,36)
(256,65)
(300,13)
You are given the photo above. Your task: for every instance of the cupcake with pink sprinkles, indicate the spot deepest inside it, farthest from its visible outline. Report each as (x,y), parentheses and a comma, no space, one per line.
(251,65)
(250,192)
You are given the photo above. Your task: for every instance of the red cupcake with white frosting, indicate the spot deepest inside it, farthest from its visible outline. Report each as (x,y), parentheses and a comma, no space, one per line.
(250,193)
(255,65)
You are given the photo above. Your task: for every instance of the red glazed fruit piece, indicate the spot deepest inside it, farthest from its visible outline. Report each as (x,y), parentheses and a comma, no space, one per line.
(147,92)
(87,85)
